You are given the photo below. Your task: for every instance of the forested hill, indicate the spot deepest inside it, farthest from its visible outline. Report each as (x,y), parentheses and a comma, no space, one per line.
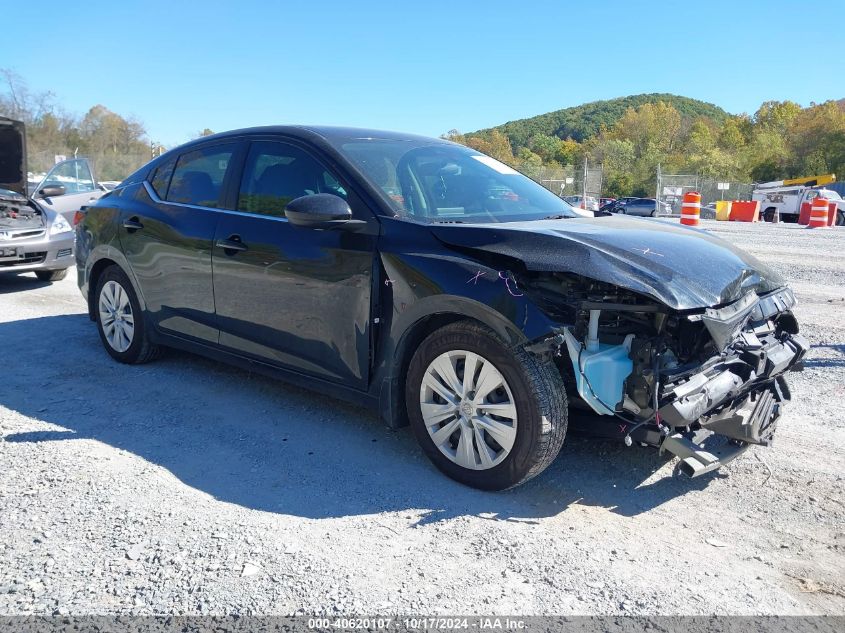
(583,121)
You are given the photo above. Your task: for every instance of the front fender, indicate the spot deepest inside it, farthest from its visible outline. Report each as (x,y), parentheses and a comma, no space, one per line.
(417,286)
(419,290)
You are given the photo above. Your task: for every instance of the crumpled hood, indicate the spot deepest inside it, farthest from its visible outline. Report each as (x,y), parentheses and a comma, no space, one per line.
(681,267)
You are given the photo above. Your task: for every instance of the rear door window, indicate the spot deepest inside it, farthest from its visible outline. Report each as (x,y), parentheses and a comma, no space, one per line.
(199,176)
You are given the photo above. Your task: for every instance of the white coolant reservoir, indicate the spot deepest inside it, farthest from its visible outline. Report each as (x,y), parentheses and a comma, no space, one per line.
(600,369)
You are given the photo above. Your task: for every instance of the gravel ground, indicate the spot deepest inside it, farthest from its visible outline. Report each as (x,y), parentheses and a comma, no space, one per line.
(188,487)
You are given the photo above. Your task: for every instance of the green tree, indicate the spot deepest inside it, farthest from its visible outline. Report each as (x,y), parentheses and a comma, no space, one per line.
(815,138)
(732,137)
(776,115)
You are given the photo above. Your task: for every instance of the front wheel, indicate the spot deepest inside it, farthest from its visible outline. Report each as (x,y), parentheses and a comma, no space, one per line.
(51,275)
(120,321)
(487,416)
(840,218)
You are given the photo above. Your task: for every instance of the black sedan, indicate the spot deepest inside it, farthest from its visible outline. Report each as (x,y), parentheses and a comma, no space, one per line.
(445,290)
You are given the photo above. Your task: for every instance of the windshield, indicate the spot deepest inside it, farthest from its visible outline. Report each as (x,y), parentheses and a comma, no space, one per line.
(442,182)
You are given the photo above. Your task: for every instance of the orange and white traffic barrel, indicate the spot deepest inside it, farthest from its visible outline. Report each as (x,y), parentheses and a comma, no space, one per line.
(691,208)
(818,214)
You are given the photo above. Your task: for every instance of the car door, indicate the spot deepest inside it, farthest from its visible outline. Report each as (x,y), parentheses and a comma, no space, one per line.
(77,178)
(638,207)
(292,296)
(166,232)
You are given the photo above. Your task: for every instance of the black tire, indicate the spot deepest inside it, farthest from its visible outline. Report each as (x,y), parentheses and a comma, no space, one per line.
(141,349)
(653,213)
(539,395)
(840,218)
(51,275)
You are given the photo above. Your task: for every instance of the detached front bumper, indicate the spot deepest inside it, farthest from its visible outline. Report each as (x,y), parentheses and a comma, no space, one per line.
(737,398)
(741,400)
(683,403)
(44,252)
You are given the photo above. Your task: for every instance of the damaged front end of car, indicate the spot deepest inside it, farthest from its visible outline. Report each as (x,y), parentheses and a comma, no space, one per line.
(672,378)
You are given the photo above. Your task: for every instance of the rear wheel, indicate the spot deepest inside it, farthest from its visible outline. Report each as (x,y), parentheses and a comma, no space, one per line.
(120,321)
(487,416)
(840,218)
(51,275)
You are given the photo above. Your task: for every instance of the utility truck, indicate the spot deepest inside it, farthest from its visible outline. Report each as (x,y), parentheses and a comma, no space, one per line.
(785,197)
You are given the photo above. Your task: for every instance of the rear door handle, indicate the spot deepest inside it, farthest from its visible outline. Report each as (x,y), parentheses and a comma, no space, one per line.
(132,224)
(232,244)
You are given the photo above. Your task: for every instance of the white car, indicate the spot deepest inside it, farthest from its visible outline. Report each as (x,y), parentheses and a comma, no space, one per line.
(588,203)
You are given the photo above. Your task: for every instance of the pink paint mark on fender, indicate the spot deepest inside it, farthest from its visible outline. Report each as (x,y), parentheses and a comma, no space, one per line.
(474,280)
(508,278)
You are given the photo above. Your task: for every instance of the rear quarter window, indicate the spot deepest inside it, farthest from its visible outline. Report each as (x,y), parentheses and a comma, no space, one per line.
(160,178)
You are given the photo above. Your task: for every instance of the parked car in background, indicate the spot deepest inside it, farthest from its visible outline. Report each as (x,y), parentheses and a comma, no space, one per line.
(605,201)
(71,185)
(33,237)
(475,318)
(611,207)
(588,203)
(644,207)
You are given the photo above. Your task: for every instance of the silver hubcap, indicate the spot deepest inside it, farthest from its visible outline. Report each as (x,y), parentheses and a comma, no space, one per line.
(468,409)
(116,316)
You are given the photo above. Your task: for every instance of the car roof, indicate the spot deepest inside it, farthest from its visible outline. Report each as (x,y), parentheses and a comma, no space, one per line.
(326,132)
(326,135)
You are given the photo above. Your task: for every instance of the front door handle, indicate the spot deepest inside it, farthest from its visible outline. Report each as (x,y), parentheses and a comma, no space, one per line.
(232,244)
(132,224)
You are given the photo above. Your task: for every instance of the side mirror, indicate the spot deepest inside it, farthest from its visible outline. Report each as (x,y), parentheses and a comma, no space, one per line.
(51,191)
(321,211)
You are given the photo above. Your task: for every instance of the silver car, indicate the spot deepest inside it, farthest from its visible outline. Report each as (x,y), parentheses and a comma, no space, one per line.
(68,187)
(35,235)
(33,239)
(645,207)
(588,203)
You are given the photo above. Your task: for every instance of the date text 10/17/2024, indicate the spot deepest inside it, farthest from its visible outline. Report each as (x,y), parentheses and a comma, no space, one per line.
(478,623)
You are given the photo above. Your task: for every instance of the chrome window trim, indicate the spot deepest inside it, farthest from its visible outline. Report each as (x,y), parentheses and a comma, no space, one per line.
(154,196)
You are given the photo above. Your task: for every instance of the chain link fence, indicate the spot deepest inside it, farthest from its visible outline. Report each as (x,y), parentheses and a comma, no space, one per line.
(711,192)
(672,187)
(568,180)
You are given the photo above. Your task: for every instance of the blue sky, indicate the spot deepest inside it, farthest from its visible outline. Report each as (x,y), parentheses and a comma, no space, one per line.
(423,67)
